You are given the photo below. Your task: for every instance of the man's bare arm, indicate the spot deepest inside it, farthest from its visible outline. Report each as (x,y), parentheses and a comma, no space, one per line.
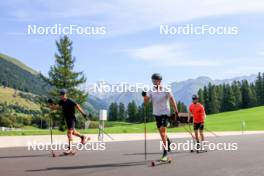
(53,107)
(80,109)
(145,97)
(174,105)
(189,116)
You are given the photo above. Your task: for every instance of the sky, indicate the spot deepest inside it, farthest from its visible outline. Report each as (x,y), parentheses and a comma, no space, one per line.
(133,47)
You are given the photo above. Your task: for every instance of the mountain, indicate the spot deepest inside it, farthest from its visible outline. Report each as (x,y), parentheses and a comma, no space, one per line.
(182,90)
(17,75)
(18,63)
(185,89)
(94,104)
(102,90)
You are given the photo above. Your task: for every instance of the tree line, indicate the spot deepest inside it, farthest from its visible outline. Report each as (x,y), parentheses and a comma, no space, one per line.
(17,78)
(134,113)
(229,97)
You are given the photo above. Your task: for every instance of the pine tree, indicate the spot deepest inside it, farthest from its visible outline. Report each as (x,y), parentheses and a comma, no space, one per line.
(201,96)
(259,89)
(181,107)
(220,95)
(253,96)
(213,105)
(140,113)
(121,112)
(149,109)
(62,74)
(262,81)
(132,111)
(206,98)
(113,112)
(246,94)
(236,86)
(228,103)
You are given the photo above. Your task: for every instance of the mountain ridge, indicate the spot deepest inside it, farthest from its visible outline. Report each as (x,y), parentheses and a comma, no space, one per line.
(182,90)
(18,63)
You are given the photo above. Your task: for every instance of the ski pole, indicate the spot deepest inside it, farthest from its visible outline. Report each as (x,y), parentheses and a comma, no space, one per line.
(211,132)
(188,131)
(51,139)
(145,130)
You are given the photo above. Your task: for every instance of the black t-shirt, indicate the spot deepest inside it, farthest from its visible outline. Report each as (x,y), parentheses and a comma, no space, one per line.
(68,108)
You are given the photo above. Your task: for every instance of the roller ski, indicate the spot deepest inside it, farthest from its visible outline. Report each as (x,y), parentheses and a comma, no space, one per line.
(163,160)
(198,149)
(69,153)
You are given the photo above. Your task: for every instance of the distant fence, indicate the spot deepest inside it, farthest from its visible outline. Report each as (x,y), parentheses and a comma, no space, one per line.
(9,129)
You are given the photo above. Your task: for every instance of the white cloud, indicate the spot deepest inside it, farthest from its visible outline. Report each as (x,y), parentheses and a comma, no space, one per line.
(167,55)
(28,10)
(261,53)
(129,15)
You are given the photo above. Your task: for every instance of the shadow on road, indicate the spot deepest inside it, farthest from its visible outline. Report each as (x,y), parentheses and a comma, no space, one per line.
(157,153)
(23,156)
(126,164)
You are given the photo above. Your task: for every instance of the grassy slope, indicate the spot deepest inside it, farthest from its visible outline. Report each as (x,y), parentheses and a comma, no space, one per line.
(228,121)
(18,63)
(6,95)
(253,117)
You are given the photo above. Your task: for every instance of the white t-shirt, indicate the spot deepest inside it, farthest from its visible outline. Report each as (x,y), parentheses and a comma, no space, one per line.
(160,101)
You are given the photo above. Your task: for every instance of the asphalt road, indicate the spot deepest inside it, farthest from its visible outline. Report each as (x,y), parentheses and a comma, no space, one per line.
(127,158)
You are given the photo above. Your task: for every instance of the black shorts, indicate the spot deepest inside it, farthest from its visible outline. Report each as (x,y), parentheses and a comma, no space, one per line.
(198,126)
(70,122)
(162,121)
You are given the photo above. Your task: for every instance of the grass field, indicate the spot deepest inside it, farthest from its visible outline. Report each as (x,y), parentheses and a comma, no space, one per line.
(228,121)
(7,95)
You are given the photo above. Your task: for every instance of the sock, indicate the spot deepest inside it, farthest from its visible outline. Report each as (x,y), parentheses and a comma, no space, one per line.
(168,142)
(198,144)
(165,152)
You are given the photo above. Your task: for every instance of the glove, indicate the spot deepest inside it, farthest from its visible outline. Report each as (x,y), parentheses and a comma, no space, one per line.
(50,101)
(174,117)
(143,93)
(85,115)
(177,115)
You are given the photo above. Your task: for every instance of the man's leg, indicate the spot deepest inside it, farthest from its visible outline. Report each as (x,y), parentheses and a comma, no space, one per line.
(163,135)
(161,122)
(201,135)
(69,134)
(195,128)
(83,138)
(201,129)
(196,135)
(76,133)
(169,143)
